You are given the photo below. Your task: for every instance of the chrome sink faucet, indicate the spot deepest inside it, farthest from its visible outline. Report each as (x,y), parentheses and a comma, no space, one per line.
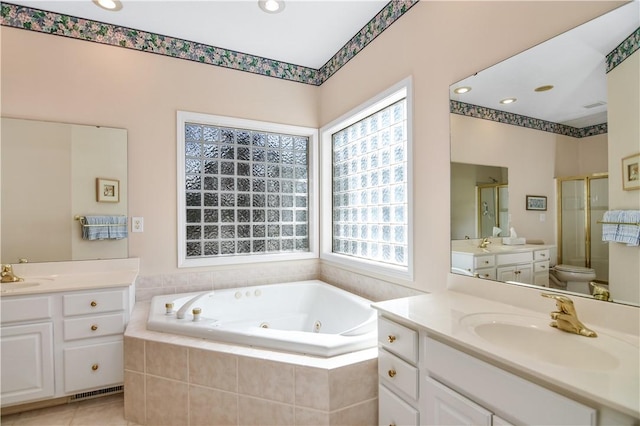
(485,242)
(8,276)
(566,318)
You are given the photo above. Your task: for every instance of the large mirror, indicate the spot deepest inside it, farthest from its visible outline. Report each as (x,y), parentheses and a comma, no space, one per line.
(54,176)
(529,172)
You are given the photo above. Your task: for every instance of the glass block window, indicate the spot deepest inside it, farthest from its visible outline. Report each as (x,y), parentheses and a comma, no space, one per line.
(246,192)
(370,187)
(366,186)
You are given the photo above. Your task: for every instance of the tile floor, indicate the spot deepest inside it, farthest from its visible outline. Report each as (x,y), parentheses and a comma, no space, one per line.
(104,411)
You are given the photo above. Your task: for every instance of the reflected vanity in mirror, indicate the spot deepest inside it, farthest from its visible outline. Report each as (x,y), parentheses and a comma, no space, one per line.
(49,176)
(526,129)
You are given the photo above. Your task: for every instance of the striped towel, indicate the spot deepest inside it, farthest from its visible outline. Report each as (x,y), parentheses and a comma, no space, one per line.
(625,228)
(629,233)
(610,230)
(104,228)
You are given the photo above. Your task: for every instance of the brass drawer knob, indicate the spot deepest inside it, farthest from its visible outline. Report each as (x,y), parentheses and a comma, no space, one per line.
(392,338)
(95,367)
(94,327)
(392,373)
(94,303)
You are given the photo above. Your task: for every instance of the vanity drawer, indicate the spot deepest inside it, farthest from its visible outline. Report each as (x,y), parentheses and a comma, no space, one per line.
(487,274)
(541,266)
(30,308)
(94,366)
(398,339)
(540,255)
(511,258)
(94,302)
(484,261)
(94,326)
(394,411)
(402,375)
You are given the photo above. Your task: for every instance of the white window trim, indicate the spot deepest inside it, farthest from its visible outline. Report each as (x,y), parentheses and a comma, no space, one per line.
(396,92)
(216,120)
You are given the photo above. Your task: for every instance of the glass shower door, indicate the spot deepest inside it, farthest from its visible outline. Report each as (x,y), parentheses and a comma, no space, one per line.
(598,205)
(583,203)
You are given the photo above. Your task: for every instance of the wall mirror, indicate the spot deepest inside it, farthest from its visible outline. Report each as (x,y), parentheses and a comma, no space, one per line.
(531,132)
(50,175)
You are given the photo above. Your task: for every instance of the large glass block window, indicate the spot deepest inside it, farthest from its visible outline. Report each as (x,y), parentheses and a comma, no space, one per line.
(246,192)
(370,187)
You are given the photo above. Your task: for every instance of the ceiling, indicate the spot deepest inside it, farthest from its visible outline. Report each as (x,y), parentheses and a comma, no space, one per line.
(310,32)
(573,62)
(306,32)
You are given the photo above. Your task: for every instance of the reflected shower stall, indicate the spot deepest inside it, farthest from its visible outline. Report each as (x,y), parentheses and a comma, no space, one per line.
(583,200)
(493,209)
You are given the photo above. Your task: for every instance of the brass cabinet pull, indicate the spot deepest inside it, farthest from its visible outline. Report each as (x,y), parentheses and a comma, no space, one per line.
(94,327)
(392,338)
(95,367)
(94,303)
(392,373)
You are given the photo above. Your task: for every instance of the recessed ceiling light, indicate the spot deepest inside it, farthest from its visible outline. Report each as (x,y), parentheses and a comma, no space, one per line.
(111,5)
(544,88)
(508,101)
(461,90)
(271,6)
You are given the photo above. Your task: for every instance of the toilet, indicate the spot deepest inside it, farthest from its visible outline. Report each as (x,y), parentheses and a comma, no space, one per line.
(571,278)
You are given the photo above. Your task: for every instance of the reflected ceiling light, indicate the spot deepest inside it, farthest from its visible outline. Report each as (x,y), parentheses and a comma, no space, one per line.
(271,6)
(508,101)
(111,5)
(461,90)
(544,88)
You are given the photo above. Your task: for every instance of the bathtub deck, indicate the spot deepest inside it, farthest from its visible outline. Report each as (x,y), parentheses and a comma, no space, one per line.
(181,380)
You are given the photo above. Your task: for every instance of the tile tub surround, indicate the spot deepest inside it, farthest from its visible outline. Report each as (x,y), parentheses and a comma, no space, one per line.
(180,380)
(375,289)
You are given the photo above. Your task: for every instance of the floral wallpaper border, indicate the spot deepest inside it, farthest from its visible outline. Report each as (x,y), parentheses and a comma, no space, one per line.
(491,114)
(84,29)
(624,50)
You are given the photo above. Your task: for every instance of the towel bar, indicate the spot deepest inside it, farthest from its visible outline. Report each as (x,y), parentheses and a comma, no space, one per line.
(83,222)
(619,223)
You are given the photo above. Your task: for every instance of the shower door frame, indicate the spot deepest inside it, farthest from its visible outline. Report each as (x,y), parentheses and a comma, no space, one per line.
(587,212)
(497,205)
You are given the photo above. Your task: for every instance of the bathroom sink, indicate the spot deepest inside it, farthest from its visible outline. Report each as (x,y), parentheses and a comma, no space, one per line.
(5,287)
(532,337)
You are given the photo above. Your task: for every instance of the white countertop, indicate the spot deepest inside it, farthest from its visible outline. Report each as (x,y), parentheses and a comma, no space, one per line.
(496,247)
(616,387)
(52,277)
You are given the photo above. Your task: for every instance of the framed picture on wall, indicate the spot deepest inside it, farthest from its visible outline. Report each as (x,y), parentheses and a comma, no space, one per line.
(107,190)
(630,172)
(536,202)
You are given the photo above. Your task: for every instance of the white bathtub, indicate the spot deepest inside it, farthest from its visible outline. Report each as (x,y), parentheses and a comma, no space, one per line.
(307,317)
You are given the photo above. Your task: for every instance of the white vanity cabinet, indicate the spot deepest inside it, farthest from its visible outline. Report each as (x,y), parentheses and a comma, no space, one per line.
(398,374)
(482,266)
(528,265)
(472,392)
(59,344)
(541,265)
(93,329)
(423,381)
(26,346)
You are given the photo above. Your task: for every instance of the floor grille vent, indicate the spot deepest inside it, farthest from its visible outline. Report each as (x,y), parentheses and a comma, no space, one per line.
(96,393)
